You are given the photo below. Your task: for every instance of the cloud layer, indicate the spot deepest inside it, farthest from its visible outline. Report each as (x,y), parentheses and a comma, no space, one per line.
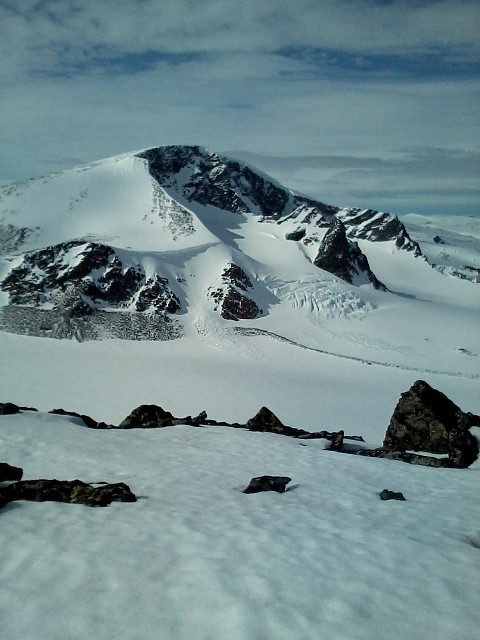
(363,88)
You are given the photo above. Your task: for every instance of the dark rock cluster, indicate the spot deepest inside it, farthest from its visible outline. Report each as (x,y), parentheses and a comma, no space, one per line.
(343,258)
(13,488)
(151,416)
(78,276)
(73,491)
(231,299)
(219,182)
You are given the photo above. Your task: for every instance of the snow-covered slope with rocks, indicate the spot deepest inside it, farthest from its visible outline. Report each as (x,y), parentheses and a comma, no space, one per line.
(219,272)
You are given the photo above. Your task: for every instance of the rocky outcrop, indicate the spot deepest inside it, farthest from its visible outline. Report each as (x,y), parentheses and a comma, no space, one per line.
(344,258)
(376,226)
(8,409)
(76,278)
(9,473)
(231,299)
(206,178)
(147,415)
(267,421)
(268,483)
(73,491)
(87,420)
(426,420)
(152,416)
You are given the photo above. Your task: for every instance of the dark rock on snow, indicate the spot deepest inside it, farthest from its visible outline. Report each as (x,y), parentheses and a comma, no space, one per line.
(403,456)
(88,421)
(426,420)
(231,299)
(79,277)
(9,473)
(152,416)
(74,491)
(391,495)
(343,258)
(268,483)
(148,415)
(337,441)
(8,409)
(265,420)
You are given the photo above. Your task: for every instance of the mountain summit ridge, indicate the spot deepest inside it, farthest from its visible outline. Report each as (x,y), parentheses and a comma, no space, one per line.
(174,231)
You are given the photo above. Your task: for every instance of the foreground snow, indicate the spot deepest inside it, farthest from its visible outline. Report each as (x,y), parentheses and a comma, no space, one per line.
(196,558)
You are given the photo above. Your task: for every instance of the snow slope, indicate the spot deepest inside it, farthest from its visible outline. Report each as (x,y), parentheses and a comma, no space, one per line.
(197,558)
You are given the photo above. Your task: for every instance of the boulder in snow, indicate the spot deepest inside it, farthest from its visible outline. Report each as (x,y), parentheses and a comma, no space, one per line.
(426,420)
(268,483)
(74,491)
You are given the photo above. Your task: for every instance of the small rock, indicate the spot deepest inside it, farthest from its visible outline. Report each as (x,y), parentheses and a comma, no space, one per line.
(391,495)
(337,441)
(268,483)
(200,419)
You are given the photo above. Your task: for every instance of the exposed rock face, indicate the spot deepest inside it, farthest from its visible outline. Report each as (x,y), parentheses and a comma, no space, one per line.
(376,226)
(391,495)
(268,483)
(343,258)
(148,415)
(231,299)
(9,473)
(212,180)
(426,420)
(74,491)
(78,277)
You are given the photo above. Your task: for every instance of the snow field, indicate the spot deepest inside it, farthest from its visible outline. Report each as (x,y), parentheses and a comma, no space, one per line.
(195,557)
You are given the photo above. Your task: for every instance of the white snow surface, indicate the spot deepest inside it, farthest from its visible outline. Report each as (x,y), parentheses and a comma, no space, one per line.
(195,557)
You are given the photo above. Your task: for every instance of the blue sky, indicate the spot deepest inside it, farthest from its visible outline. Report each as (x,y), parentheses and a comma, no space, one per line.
(356,102)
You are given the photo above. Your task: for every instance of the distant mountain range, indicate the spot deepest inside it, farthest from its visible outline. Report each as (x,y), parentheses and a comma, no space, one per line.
(142,245)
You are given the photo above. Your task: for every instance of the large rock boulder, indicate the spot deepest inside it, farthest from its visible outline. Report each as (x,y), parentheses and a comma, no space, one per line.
(426,420)
(148,415)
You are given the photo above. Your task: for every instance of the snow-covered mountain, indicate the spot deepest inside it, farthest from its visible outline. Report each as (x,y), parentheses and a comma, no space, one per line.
(180,235)
(324,315)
